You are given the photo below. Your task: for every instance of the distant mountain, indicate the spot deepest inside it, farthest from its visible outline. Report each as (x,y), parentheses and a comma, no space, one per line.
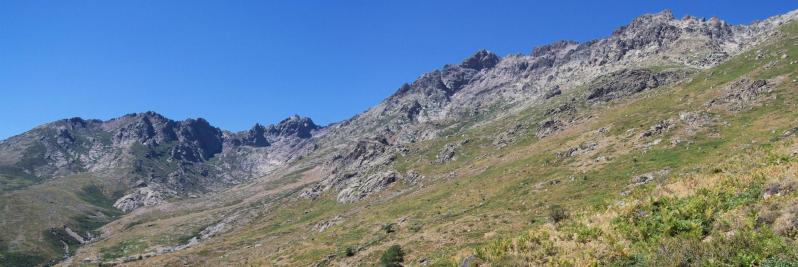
(180,156)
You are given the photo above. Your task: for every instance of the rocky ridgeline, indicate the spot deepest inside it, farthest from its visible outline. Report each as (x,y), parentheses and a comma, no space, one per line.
(613,67)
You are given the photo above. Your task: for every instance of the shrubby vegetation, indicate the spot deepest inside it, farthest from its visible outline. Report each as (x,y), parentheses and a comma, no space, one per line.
(713,219)
(392,257)
(557,213)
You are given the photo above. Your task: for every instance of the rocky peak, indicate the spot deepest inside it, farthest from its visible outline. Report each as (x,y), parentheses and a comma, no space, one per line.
(646,21)
(75,122)
(553,48)
(662,16)
(482,59)
(150,116)
(255,137)
(193,139)
(663,23)
(198,136)
(649,28)
(145,128)
(294,125)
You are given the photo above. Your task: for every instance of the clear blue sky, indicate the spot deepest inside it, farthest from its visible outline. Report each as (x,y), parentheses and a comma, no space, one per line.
(236,63)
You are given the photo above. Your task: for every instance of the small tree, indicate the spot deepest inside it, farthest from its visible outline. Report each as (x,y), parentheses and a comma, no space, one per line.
(557,213)
(393,257)
(350,251)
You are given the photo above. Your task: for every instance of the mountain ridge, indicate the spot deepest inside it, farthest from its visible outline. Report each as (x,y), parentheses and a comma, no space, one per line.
(152,161)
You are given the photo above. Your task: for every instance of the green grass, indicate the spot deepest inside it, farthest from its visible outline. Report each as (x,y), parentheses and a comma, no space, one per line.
(13,178)
(121,249)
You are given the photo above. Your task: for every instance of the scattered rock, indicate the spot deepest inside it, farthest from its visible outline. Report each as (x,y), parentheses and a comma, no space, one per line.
(423,261)
(549,127)
(448,152)
(467,261)
(581,149)
(413,177)
(555,91)
(561,109)
(658,128)
(544,184)
(324,224)
(741,94)
(645,179)
(695,119)
(509,136)
(778,189)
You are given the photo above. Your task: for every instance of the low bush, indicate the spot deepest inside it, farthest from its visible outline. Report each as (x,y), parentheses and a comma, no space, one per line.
(393,257)
(557,213)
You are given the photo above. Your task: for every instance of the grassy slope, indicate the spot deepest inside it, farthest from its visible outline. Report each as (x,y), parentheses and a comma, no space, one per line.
(714,211)
(479,203)
(80,202)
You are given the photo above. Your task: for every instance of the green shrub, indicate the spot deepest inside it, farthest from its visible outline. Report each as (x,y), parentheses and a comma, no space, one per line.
(779,262)
(392,257)
(557,213)
(691,216)
(349,251)
(746,247)
(389,228)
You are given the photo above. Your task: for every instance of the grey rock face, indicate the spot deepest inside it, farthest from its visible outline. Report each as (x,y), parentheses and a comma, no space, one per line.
(142,197)
(360,172)
(365,187)
(628,82)
(255,137)
(483,59)
(294,126)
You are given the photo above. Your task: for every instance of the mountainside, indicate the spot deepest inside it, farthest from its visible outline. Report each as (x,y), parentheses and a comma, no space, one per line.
(139,159)
(668,142)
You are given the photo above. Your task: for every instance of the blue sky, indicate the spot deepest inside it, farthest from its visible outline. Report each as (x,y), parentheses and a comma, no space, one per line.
(236,63)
